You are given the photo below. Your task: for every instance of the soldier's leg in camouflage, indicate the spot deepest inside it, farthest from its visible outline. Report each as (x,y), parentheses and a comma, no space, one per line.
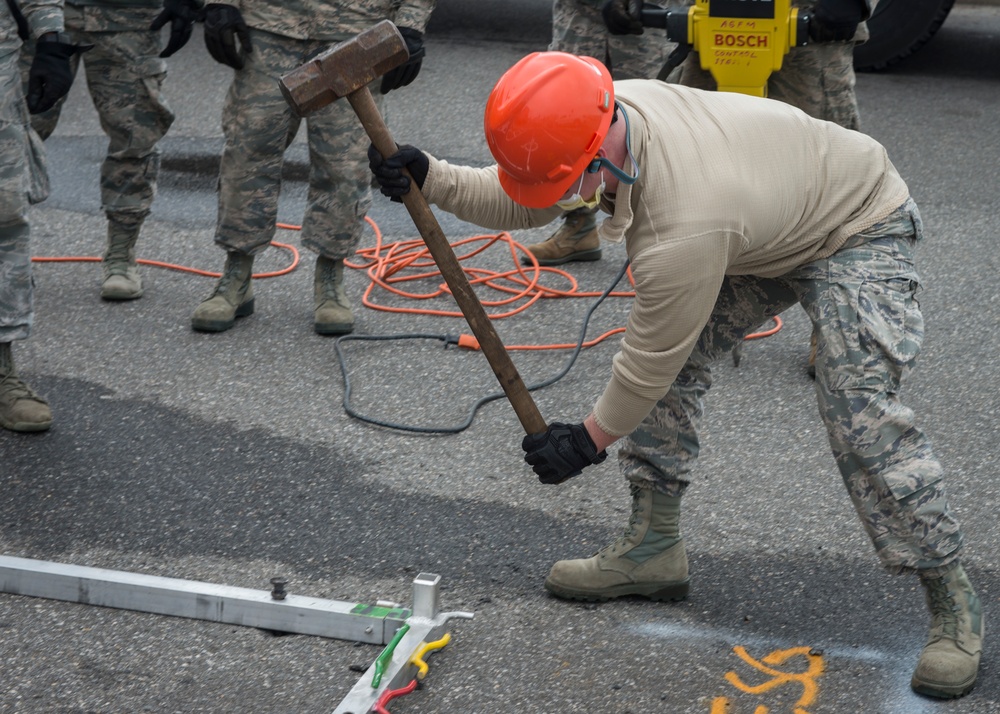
(649,558)
(575,240)
(120,269)
(258,128)
(870,331)
(125,77)
(332,314)
(20,408)
(338,202)
(232,297)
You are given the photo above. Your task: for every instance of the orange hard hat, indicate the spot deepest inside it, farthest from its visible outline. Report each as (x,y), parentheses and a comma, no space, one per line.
(545,120)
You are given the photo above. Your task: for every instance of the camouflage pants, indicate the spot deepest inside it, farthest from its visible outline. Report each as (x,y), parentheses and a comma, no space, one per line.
(870,329)
(15,257)
(578,28)
(125,76)
(818,79)
(259,125)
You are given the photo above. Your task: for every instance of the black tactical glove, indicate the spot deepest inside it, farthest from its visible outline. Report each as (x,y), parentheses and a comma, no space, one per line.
(407,72)
(51,74)
(389,172)
(223,25)
(623,17)
(181,14)
(836,20)
(561,452)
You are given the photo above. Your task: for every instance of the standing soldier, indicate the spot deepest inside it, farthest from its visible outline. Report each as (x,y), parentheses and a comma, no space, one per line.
(262,41)
(125,72)
(577,28)
(23,181)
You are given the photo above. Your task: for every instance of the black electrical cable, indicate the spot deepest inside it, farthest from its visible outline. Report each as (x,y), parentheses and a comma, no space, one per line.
(453,340)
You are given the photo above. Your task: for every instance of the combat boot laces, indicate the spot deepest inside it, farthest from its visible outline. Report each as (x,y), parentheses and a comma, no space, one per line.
(230,274)
(331,284)
(944,607)
(117,259)
(625,540)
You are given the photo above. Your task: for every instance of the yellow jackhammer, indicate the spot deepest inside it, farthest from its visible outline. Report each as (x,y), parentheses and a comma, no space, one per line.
(740,42)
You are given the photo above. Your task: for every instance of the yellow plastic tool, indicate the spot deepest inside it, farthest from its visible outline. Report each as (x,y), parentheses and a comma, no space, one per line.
(418,657)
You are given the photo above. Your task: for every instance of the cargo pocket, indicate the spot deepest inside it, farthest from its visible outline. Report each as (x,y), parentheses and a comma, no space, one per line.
(890,331)
(156,116)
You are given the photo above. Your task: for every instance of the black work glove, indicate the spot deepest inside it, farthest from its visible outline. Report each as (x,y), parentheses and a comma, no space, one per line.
(223,25)
(623,17)
(836,20)
(560,452)
(389,172)
(51,74)
(181,14)
(407,72)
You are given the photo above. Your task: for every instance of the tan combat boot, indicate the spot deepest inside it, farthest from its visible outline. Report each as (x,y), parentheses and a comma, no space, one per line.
(233,296)
(333,314)
(576,239)
(20,408)
(121,271)
(648,559)
(949,661)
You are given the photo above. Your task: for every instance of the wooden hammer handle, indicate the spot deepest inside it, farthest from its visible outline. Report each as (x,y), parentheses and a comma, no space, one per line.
(437,243)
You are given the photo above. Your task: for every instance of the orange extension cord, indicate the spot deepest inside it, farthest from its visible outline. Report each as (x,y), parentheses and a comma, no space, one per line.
(520,287)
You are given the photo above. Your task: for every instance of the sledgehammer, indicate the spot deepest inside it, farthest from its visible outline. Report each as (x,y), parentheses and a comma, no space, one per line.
(345,71)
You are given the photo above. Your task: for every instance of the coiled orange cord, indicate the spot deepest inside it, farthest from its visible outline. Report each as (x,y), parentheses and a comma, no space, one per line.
(390,266)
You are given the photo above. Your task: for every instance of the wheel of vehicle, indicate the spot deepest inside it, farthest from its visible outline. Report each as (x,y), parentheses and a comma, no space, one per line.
(898,29)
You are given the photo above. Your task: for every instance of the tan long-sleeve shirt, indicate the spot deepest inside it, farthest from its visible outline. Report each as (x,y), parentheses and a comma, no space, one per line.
(728,185)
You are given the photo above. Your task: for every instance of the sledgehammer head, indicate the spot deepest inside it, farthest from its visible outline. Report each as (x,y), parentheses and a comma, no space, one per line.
(344,68)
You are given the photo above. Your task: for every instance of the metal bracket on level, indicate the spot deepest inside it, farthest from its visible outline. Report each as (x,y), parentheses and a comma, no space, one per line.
(274,610)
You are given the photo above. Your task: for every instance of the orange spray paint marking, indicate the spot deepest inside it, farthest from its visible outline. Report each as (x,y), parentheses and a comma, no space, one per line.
(806,679)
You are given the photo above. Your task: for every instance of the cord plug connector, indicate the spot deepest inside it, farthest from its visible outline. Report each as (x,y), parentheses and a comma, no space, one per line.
(468,342)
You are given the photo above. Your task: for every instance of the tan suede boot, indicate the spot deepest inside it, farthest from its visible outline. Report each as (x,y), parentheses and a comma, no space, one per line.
(648,559)
(949,662)
(120,269)
(232,298)
(20,408)
(575,239)
(333,314)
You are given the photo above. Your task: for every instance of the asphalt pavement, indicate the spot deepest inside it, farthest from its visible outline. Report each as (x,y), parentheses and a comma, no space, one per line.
(230,459)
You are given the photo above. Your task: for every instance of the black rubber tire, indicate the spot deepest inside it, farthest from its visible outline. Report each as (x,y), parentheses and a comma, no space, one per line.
(898,29)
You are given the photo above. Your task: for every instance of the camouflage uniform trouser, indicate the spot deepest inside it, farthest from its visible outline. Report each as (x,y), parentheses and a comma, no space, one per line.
(259,125)
(125,76)
(15,257)
(861,303)
(578,28)
(818,79)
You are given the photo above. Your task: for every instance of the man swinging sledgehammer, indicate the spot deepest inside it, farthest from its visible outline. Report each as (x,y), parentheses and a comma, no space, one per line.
(732,209)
